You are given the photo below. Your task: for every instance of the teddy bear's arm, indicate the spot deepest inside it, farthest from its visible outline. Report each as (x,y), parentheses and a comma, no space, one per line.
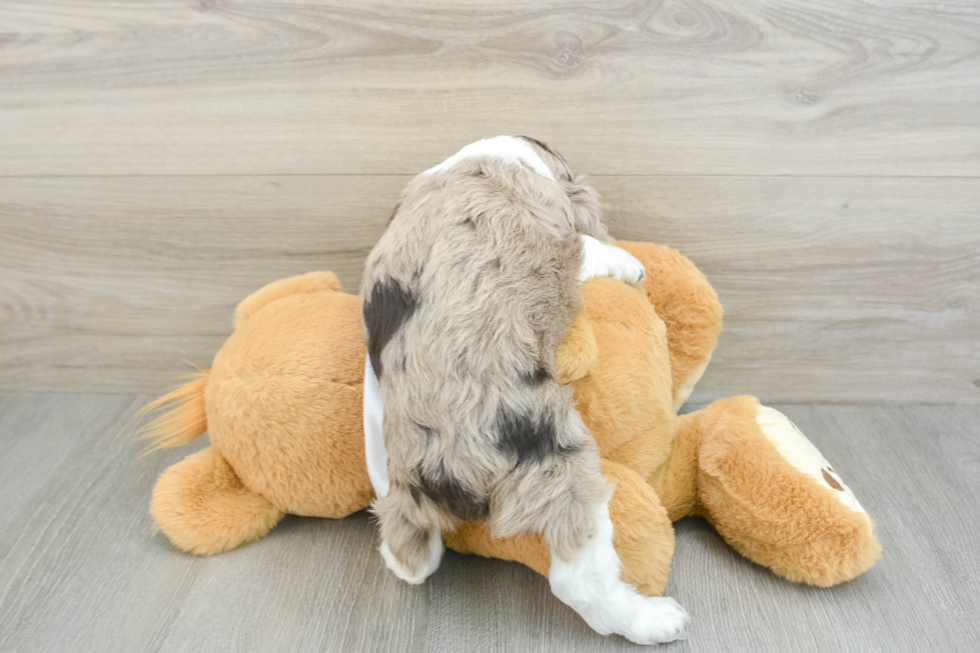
(689,307)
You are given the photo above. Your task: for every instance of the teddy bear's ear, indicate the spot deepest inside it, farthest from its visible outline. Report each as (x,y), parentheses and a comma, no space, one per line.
(307,283)
(578,352)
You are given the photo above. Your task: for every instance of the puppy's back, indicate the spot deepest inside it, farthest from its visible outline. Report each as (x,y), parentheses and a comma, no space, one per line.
(475,274)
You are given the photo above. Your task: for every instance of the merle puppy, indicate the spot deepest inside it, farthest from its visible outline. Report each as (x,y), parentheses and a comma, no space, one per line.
(465,299)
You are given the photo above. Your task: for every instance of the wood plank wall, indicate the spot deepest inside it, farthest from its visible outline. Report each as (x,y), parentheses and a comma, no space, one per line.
(159,160)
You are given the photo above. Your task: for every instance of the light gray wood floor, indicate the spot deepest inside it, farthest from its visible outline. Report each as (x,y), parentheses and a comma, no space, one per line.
(80,569)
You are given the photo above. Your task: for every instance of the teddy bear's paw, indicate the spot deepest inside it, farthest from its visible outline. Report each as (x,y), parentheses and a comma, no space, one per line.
(426,569)
(602,260)
(798,451)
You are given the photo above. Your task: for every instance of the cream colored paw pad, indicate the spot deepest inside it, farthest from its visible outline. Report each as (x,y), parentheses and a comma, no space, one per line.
(798,451)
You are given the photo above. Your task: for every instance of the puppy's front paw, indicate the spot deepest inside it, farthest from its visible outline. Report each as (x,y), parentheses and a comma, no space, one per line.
(624,266)
(602,260)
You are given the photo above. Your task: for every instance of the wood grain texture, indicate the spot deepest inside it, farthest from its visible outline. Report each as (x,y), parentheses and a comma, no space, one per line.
(835,289)
(679,86)
(80,569)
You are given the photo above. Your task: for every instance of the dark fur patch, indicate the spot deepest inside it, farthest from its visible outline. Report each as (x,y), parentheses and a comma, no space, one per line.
(416,492)
(529,439)
(388,308)
(543,146)
(448,493)
(537,377)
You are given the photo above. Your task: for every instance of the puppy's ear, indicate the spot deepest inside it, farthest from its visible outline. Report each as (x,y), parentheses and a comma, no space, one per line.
(585,208)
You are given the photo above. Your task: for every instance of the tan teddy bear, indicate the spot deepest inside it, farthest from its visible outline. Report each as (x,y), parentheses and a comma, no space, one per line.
(283,405)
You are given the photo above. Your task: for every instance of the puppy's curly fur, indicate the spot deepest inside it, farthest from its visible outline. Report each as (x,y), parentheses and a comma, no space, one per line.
(465,299)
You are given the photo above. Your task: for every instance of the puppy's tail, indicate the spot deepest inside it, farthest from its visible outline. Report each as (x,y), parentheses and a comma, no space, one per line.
(184,417)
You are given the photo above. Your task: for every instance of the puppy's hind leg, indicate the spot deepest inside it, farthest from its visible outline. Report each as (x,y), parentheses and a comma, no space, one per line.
(589,582)
(564,494)
(411,535)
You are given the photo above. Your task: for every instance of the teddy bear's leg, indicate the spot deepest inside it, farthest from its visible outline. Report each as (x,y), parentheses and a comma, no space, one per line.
(689,307)
(203,507)
(643,535)
(773,496)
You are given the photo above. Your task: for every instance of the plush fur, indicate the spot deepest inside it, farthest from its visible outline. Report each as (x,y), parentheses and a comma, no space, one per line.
(283,410)
(206,506)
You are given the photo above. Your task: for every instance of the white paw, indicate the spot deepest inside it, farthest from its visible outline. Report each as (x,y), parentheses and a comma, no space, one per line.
(659,620)
(591,585)
(640,619)
(602,260)
(435,557)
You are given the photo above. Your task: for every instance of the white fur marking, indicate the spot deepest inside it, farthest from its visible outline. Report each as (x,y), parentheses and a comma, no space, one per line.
(799,452)
(435,557)
(375,454)
(591,585)
(602,260)
(506,148)
(684,392)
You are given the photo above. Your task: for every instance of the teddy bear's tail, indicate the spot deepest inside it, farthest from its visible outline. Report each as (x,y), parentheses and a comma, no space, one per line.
(184,417)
